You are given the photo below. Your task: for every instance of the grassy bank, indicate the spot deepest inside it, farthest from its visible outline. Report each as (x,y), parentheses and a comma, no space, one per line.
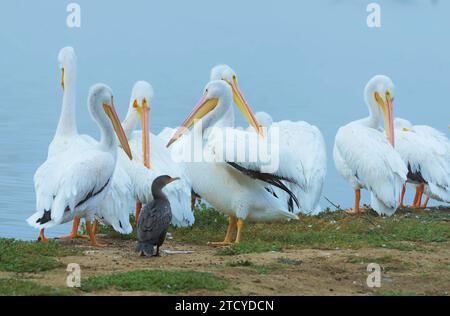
(329,250)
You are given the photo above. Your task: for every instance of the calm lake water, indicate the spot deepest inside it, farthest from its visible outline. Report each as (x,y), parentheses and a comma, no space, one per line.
(307,60)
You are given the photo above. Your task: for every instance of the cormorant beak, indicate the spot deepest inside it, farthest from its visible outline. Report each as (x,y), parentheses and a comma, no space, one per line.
(205,106)
(175,179)
(112,115)
(388,113)
(244,107)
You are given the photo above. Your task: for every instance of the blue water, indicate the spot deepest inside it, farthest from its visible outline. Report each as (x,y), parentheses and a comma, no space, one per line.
(301,60)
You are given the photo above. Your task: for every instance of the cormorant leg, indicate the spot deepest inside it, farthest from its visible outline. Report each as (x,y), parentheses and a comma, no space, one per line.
(138,210)
(425,205)
(157,251)
(232,223)
(74,234)
(240,226)
(357,209)
(42,238)
(402,198)
(91,234)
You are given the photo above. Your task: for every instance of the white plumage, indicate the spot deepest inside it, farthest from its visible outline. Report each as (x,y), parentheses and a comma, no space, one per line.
(302,147)
(426,152)
(364,156)
(230,190)
(133,180)
(74,182)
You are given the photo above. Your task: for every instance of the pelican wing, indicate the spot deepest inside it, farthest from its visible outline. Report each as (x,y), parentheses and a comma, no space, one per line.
(435,162)
(366,159)
(119,202)
(65,183)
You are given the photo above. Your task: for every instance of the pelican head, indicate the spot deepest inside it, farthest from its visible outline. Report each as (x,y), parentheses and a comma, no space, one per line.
(379,95)
(402,124)
(101,107)
(213,105)
(67,60)
(227,74)
(141,98)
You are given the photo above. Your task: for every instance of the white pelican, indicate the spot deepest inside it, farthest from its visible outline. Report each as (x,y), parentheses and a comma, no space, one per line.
(302,142)
(66,133)
(132,180)
(73,183)
(239,190)
(365,158)
(148,165)
(426,152)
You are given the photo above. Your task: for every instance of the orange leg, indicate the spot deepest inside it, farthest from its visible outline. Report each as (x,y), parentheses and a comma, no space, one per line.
(138,210)
(418,197)
(42,238)
(91,234)
(232,223)
(357,209)
(421,189)
(240,226)
(74,233)
(427,200)
(402,198)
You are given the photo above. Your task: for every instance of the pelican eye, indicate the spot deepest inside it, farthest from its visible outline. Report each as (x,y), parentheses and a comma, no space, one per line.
(388,95)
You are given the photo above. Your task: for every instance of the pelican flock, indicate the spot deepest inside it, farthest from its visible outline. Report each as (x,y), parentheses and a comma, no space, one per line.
(110,179)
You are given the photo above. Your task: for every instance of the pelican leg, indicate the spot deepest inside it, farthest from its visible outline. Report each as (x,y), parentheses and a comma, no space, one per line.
(138,210)
(427,200)
(74,233)
(402,198)
(421,190)
(416,197)
(42,238)
(232,223)
(91,234)
(357,209)
(240,226)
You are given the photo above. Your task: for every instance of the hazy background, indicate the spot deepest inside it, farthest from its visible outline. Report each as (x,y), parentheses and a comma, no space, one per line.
(299,60)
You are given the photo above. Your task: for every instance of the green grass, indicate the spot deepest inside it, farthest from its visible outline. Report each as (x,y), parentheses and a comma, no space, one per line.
(382,292)
(156,281)
(408,230)
(14,287)
(31,257)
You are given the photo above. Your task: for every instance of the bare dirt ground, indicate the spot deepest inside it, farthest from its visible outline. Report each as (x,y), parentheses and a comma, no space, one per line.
(288,272)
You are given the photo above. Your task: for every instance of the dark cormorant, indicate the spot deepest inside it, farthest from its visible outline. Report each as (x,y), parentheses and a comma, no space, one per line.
(154,219)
